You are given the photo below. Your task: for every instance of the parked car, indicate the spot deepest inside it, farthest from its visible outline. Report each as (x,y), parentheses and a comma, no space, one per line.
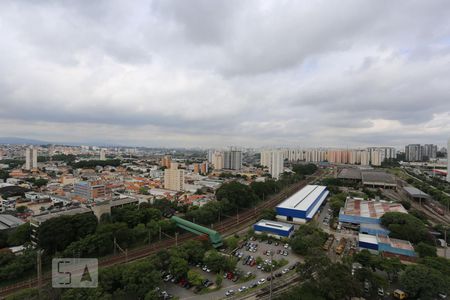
(229,293)
(261,281)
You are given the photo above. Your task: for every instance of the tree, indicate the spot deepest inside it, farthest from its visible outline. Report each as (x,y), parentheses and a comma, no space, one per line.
(178,266)
(264,189)
(219,279)
(345,287)
(40,182)
(425,250)
(57,233)
(140,277)
(20,235)
(307,169)
(194,278)
(307,239)
(405,226)
(238,194)
(4,174)
(232,242)
(144,191)
(268,214)
(420,281)
(217,262)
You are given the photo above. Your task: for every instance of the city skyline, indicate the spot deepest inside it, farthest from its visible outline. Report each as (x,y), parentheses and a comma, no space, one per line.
(188,74)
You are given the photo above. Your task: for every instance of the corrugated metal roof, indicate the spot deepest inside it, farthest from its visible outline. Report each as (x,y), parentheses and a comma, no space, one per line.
(275,225)
(370,209)
(304,198)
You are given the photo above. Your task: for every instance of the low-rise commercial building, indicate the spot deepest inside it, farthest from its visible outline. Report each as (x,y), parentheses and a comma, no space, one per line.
(273,228)
(9,222)
(387,246)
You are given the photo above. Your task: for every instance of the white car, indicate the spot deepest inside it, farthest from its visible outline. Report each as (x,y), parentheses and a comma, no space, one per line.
(261,281)
(242,288)
(229,293)
(284,271)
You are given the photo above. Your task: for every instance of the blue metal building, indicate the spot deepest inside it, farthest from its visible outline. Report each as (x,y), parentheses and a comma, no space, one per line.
(272,228)
(303,205)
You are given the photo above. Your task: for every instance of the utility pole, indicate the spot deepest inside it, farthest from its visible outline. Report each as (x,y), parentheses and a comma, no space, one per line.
(121,250)
(176,239)
(445,239)
(237,215)
(271,273)
(39,271)
(159,232)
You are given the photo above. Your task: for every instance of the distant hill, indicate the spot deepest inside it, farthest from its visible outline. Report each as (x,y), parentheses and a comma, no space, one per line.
(21,141)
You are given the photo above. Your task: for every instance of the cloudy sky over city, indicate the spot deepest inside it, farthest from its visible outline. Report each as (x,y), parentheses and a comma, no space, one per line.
(218,73)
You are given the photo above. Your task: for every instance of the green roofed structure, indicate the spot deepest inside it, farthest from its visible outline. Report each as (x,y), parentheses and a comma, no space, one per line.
(214,236)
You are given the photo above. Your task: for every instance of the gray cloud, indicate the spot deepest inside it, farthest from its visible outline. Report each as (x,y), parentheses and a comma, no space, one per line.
(202,73)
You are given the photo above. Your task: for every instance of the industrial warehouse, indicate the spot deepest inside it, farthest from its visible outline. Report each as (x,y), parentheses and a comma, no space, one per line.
(387,246)
(303,205)
(360,211)
(273,229)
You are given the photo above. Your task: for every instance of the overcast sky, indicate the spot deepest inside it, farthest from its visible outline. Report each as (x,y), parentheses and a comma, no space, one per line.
(218,73)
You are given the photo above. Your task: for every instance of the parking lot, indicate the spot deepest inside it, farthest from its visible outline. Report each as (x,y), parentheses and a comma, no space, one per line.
(258,276)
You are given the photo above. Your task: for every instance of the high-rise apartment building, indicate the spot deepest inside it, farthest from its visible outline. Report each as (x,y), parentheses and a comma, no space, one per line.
(217,160)
(274,160)
(276,166)
(204,168)
(31,158)
(265,158)
(429,151)
(210,155)
(448,161)
(102,154)
(413,152)
(174,178)
(232,160)
(365,158)
(295,155)
(166,161)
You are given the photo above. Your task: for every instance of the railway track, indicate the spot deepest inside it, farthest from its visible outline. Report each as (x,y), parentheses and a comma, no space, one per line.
(225,227)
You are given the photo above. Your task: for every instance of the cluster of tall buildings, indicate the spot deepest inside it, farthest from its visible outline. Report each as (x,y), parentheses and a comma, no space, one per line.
(371,156)
(274,160)
(417,152)
(229,160)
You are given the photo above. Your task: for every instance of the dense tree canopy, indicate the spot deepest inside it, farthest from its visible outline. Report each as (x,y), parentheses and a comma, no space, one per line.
(237,194)
(420,281)
(405,226)
(425,250)
(20,235)
(93,163)
(308,239)
(57,233)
